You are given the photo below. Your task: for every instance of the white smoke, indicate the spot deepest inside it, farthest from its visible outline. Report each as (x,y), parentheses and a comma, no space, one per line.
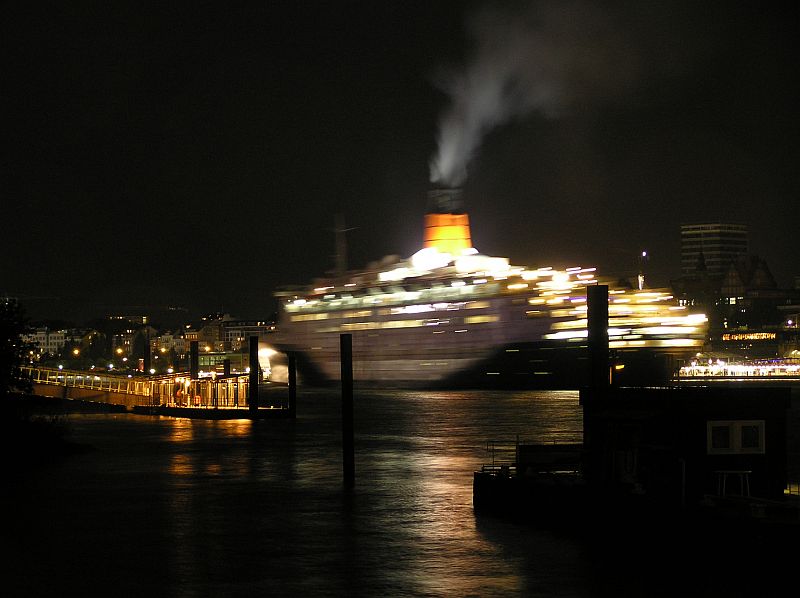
(530,60)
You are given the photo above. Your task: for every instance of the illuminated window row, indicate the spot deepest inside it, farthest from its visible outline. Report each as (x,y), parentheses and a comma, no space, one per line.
(309,317)
(481,319)
(416,323)
(436,294)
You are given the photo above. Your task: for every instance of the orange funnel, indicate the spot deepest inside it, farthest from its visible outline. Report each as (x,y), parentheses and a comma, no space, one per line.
(449,233)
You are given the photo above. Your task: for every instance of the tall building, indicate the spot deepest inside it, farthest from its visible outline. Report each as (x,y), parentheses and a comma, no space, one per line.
(712,246)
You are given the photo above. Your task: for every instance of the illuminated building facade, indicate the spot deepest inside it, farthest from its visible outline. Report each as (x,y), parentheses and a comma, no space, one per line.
(47,341)
(711,246)
(751,318)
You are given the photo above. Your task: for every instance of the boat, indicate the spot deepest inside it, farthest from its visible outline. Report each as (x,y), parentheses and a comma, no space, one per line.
(450,317)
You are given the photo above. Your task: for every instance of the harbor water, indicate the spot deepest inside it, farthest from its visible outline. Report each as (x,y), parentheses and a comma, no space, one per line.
(161,506)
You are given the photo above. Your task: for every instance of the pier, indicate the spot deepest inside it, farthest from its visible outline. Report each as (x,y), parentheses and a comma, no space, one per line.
(177,395)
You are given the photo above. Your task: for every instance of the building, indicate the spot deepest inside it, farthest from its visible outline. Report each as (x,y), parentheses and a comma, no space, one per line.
(722,452)
(48,342)
(171,341)
(711,247)
(750,315)
(52,343)
(680,444)
(237,332)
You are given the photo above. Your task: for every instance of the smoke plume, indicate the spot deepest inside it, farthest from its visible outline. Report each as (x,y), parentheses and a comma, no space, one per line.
(538,58)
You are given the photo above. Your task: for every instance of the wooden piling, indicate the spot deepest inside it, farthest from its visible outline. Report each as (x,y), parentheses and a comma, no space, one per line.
(252,399)
(348,444)
(292,358)
(146,352)
(597,316)
(194,359)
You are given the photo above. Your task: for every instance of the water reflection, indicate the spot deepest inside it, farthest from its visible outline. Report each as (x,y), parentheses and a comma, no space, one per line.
(242,508)
(181,465)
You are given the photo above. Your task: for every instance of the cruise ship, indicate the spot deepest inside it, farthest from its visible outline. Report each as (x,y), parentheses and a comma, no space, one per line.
(450,317)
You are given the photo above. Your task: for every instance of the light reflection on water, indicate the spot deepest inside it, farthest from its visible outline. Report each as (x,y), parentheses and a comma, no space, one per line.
(177,507)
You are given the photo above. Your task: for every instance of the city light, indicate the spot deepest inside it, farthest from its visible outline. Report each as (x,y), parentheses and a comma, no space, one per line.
(720,368)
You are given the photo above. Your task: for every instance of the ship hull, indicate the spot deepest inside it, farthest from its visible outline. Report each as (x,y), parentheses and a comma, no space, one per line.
(531,365)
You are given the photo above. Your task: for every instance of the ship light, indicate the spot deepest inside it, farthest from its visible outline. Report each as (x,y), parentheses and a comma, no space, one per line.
(567,334)
(696,318)
(429,258)
(413,309)
(659,330)
(395,275)
(678,342)
(560,278)
(570,325)
(480,263)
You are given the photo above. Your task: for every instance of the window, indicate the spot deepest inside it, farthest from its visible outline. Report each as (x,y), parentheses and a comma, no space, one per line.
(751,435)
(720,437)
(735,437)
(481,319)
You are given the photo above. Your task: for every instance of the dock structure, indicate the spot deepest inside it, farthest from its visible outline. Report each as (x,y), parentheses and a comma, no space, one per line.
(710,451)
(178,395)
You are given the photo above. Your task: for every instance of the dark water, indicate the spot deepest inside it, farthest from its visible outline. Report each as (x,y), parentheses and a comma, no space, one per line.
(175,507)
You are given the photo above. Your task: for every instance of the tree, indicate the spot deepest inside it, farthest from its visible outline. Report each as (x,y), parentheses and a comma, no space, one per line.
(26,437)
(13,349)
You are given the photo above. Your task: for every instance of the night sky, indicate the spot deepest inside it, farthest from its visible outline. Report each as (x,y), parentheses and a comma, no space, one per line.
(197,154)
